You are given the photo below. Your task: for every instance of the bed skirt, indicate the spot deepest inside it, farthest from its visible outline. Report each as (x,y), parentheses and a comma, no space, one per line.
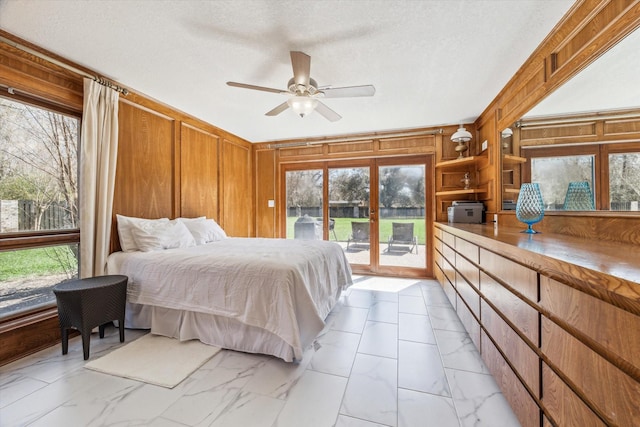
(219,331)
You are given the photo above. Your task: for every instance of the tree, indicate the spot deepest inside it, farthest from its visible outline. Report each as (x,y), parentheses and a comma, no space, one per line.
(349,185)
(304,188)
(38,158)
(624,177)
(391,183)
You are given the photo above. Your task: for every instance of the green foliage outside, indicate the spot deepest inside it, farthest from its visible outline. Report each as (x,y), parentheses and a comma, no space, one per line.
(343,228)
(36,262)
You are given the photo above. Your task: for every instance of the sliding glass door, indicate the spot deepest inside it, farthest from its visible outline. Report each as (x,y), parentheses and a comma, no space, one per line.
(377,210)
(349,212)
(402,216)
(303,197)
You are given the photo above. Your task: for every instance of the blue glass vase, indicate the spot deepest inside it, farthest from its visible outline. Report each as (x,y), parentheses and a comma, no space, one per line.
(530,206)
(579,197)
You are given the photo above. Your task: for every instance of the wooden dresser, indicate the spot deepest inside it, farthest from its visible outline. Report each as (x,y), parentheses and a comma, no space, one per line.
(556,319)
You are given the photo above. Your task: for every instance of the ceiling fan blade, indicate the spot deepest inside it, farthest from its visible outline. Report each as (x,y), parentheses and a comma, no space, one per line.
(254,87)
(348,91)
(301,63)
(279,109)
(327,112)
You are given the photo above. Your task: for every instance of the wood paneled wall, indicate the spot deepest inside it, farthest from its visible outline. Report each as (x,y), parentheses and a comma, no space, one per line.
(237,189)
(169,165)
(199,158)
(265,185)
(269,157)
(576,129)
(145,169)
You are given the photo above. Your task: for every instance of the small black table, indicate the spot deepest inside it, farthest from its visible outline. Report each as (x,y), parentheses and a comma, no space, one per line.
(84,304)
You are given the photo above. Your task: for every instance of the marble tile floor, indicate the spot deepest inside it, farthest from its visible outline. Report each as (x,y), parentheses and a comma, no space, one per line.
(393,353)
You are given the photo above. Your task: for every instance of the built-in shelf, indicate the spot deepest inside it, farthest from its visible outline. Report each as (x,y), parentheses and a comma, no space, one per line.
(510,159)
(456,163)
(461,191)
(512,190)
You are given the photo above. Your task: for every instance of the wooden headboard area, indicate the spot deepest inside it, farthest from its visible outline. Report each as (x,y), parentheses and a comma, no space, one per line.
(172,165)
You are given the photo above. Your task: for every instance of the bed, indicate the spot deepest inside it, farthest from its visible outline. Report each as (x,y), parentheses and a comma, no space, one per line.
(255,295)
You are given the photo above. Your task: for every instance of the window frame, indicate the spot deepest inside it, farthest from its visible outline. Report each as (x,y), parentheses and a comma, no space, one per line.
(39,238)
(600,151)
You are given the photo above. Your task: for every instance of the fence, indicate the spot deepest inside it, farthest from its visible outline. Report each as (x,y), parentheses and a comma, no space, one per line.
(26,215)
(356,212)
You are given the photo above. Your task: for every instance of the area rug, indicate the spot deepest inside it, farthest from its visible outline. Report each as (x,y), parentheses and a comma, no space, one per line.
(155,359)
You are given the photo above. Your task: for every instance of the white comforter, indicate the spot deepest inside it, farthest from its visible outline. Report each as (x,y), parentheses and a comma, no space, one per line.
(282,286)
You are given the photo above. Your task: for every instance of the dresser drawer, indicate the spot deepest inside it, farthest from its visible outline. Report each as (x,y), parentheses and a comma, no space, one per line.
(449,239)
(515,309)
(563,405)
(469,271)
(611,391)
(469,294)
(468,249)
(470,323)
(519,277)
(523,405)
(521,356)
(612,327)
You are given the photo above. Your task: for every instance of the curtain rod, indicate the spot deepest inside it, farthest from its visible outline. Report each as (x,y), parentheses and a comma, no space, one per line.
(577,118)
(101,80)
(361,138)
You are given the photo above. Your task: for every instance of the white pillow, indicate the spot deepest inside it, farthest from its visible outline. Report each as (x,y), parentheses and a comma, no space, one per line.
(125,223)
(186,220)
(162,235)
(220,233)
(205,230)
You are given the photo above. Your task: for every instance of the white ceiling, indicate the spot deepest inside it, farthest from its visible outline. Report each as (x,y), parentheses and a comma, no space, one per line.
(432,62)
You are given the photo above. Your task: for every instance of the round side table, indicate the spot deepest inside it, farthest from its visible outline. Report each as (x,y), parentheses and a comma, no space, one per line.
(84,304)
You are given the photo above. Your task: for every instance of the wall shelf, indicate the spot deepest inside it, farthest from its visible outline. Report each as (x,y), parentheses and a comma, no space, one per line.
(510,159)
(459,163)
(460,191)
(512,190)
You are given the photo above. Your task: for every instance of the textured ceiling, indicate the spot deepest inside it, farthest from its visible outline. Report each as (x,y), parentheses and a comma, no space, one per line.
(432,62)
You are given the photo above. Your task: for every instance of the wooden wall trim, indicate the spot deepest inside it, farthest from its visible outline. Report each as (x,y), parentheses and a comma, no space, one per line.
(28,335)
(588,30)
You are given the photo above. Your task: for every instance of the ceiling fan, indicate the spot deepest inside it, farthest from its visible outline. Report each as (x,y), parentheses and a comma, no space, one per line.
(304,93)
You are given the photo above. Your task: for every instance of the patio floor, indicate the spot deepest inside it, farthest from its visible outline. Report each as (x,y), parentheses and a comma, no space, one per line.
(359,254)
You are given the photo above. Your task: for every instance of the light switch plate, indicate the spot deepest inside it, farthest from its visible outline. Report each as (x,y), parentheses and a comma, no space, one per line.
(271,203)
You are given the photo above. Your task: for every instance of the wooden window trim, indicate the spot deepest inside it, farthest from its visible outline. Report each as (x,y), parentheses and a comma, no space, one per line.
(600,152)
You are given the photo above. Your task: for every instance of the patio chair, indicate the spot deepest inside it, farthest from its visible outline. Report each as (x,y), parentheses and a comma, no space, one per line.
(359,233)
(402,234)
(332,227)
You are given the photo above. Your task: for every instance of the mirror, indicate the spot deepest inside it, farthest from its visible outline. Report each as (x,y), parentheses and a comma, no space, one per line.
(586,131)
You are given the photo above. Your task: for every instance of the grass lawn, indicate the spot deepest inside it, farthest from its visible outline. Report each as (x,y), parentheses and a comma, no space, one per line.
(343,228)
(29,262)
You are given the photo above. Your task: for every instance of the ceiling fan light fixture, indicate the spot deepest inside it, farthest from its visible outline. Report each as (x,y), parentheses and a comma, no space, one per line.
(302,105)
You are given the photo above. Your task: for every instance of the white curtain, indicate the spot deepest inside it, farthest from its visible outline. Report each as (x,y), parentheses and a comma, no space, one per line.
(98,151)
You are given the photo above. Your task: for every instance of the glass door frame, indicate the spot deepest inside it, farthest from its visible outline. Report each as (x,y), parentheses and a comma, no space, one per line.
(373,164)
(427,162)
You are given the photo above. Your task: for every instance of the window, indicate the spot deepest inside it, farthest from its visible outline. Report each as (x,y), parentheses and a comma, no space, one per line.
(554,174)
(611,172)
(624,181)
(304,202)
(38,203)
